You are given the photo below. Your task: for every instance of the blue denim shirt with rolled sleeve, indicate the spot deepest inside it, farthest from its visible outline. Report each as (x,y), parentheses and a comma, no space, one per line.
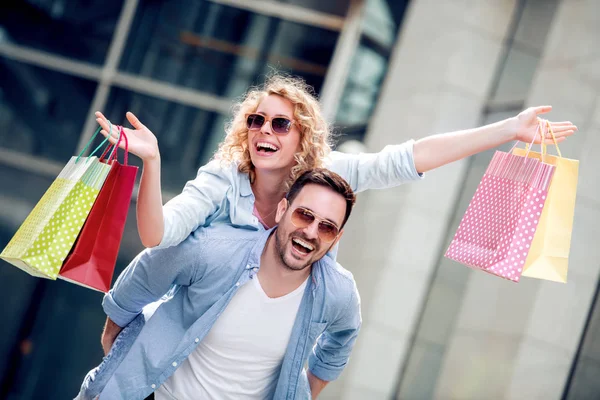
(220,194)
(200,276)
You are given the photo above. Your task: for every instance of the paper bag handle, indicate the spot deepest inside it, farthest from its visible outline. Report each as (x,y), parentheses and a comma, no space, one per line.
(92,139)
(549,127)
(113,153)
(527,146)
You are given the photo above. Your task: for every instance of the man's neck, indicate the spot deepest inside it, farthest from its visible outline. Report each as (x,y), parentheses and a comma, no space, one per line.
(275,278)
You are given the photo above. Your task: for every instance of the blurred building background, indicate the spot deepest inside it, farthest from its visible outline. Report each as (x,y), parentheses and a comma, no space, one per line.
(386,71)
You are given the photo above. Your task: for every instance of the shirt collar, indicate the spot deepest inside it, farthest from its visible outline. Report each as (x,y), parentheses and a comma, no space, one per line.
(245,188)
(259,246)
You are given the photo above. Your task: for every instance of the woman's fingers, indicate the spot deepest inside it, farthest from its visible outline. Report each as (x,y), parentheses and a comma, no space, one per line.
(134,121)
(562,123)
(542,109)
(560,132)
(105,126)
(102,120)
(551,141)
(563,128)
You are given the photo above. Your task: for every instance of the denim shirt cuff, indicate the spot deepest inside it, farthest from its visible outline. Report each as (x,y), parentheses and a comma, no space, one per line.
(322,371)
(117,314)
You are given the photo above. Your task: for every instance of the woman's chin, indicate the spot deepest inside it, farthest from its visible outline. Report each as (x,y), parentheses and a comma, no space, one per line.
(267,163)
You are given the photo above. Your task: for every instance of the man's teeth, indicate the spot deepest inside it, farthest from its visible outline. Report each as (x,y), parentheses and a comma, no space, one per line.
(303,244)
(265,145)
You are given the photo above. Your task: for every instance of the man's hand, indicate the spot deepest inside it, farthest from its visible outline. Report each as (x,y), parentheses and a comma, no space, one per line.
(110,333)
(316,384)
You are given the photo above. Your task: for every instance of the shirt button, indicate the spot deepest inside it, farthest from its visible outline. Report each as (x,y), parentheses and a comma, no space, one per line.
(196,340)
(237,284)
(174,364)
(153,386)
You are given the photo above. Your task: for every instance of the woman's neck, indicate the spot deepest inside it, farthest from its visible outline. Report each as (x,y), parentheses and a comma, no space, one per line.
(268,189)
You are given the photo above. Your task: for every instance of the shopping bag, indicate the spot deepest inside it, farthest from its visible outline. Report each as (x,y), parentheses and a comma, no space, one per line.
(91,263)
(548,257)
(496,232)
(42,242)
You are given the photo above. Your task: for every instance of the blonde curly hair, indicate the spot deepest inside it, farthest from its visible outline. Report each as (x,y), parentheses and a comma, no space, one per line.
(315,132)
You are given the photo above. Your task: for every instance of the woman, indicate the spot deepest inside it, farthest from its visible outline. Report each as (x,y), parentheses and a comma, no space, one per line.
(276,132)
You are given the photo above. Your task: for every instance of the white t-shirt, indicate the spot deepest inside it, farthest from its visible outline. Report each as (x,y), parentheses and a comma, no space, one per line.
(241,355)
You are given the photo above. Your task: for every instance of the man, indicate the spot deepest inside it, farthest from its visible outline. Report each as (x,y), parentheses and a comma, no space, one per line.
(244,312)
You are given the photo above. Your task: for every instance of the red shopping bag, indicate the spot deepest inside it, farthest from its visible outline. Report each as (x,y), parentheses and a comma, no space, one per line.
(496,232)
(91,262)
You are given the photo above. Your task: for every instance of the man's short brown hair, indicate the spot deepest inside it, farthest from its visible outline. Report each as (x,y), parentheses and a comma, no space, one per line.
(326,178)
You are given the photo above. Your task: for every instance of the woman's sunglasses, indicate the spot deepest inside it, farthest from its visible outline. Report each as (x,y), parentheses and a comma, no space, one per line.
(279,125)
(302,217)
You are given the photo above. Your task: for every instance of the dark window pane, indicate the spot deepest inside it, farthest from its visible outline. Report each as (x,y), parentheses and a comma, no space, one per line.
(64,342)
(362,87)
(43,322)
(187,136)
(42,112)
(382,18)
(583,382)
(380,22)
(81,29)
(221,50)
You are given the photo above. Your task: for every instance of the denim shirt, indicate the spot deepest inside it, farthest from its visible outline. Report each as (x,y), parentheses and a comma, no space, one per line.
(202,274)
(220,194)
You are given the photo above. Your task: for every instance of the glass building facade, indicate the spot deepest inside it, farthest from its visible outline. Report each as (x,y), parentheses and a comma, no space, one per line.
(179,66)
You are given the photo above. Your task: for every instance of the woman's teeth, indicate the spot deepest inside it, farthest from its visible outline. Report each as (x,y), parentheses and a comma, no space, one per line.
(266,146)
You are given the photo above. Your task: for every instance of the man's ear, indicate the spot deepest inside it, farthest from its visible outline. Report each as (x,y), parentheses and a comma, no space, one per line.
(281,209)
(339,236)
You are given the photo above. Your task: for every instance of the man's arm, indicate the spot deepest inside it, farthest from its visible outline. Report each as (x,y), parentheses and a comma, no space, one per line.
(316,385)
(332,350)
(150,275)
(109,334)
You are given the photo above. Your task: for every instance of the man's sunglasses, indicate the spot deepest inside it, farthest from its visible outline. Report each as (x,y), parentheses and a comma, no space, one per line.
(279,125)
(302,217)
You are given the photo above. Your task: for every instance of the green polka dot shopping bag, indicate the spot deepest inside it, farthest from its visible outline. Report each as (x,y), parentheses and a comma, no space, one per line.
(92,260)
(45,238)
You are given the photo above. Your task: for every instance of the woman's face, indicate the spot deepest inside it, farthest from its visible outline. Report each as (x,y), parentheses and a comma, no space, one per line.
(270,151)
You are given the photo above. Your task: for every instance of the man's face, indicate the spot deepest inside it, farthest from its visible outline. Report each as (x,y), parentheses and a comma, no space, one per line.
(300,247)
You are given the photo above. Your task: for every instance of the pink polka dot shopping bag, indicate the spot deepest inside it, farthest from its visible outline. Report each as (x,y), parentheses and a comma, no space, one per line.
(497,231)
(45,238)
